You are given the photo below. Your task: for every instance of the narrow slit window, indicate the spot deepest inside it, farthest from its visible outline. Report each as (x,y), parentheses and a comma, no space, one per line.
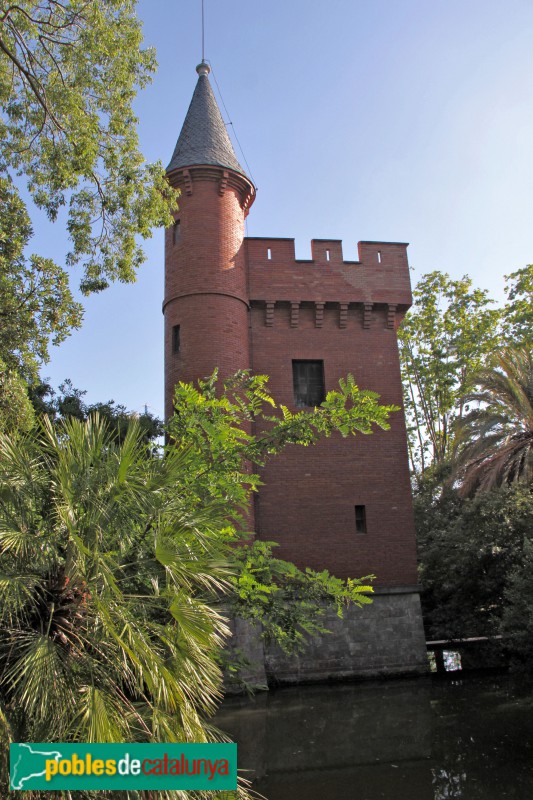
(269,254)
(176,232)
(176,343)
(360,519)
(327,255)
(308,383)
(379,256)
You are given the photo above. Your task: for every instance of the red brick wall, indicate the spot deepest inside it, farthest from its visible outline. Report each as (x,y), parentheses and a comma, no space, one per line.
(206,284)
(307,502)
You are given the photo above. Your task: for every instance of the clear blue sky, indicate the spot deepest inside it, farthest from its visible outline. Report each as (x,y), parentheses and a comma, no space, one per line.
(360,119)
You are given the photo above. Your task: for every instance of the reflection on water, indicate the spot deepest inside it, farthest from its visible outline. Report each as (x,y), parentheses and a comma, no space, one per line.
(396,740)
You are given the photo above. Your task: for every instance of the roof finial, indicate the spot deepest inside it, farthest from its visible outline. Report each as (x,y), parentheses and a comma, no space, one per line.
(203,68)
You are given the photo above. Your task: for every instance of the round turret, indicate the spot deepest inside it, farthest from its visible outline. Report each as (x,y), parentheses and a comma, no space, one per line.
(206,301)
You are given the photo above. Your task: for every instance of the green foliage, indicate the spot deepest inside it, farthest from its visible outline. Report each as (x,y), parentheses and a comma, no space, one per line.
(70,403)
(16,411)
(113,562)
(106,630)
(69,72)
(469,407)
(36,304)
(518,312)
(213,424)
(444,338)
(469,550)
(289,603)
(517,626)
(494,440)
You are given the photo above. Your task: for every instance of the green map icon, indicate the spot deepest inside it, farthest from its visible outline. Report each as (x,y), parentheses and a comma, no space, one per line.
(28,764)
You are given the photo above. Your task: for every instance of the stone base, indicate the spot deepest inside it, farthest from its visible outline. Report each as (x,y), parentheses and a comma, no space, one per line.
(382,639)
(245,648)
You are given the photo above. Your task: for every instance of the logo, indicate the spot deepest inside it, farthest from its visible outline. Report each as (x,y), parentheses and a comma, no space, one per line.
(123,766)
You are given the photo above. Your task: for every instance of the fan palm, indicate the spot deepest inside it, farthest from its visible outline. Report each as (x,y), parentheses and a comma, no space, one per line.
(106,634)
(495,439)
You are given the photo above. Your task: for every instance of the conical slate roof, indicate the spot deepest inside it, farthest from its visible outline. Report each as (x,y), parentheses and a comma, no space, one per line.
(203,138)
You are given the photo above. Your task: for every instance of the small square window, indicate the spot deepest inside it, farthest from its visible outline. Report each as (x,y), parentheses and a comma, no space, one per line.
(308,383)
(360,519)
(176,339)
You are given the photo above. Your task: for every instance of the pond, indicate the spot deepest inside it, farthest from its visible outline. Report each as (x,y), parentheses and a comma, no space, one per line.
(421,739)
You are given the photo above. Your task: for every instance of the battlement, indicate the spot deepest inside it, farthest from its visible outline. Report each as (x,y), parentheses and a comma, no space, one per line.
(381,275)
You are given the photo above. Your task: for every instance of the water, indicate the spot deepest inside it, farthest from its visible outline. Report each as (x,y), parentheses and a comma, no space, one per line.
(423,739)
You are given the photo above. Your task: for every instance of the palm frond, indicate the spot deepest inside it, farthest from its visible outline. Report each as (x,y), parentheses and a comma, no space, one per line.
(495,439)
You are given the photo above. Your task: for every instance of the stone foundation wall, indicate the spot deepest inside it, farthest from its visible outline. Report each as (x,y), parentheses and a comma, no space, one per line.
(382,639)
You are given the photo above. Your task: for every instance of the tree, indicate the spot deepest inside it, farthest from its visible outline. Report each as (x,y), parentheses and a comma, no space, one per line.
(69,71)
(69,402)
(495,439)
(106,632)
(518,311)
(35,299)
(112,562)
(469,550)
(517,623)
(16,411)
(470,418)
(444,338)
(35,305)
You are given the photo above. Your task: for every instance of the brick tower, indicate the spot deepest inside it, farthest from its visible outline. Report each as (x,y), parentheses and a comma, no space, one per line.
(233,302)
(206,304)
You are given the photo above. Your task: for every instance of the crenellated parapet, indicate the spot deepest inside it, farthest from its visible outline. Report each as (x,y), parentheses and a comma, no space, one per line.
(375,288)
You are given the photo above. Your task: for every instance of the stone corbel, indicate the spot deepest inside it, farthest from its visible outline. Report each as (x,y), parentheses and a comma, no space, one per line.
(295,313)
(367,314)
(223,183)
(269,313)
(246,201)
(188,181)
(343,315)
